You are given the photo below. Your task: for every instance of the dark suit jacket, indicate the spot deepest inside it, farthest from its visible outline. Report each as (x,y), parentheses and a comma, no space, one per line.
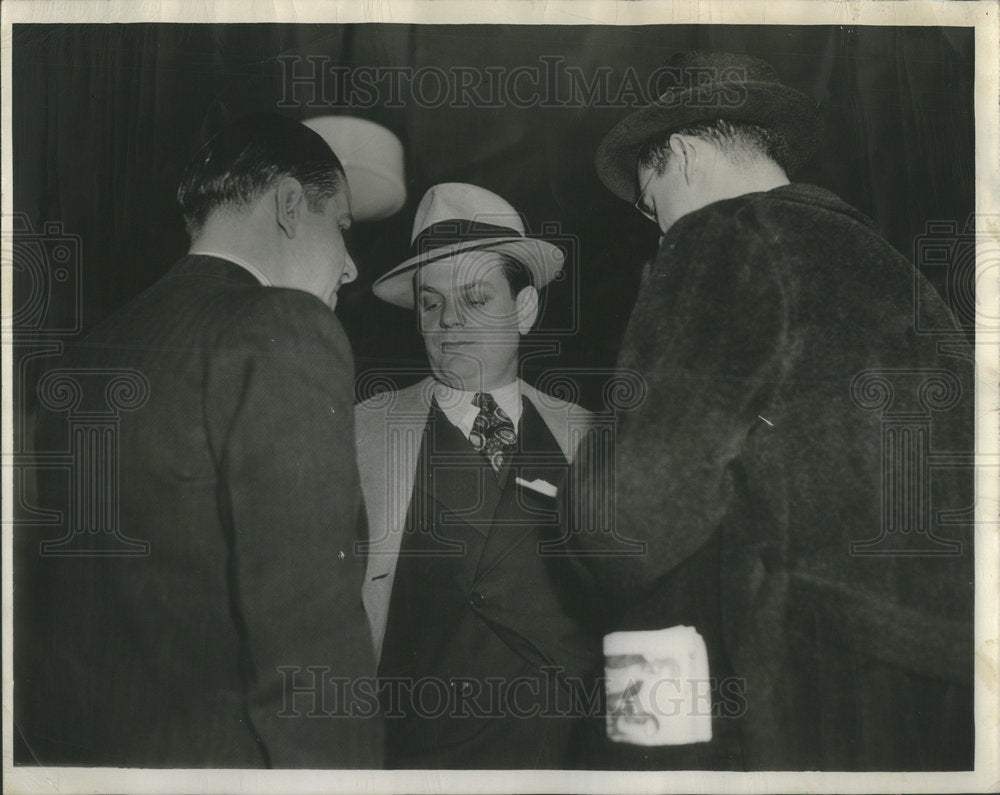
(791,472)
(390,427)
(236,467)
(486,645)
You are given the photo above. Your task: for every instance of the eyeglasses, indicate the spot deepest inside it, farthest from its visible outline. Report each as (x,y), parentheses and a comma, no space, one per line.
(640,203)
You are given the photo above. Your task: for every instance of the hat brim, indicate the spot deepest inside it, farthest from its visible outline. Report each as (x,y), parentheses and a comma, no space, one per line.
(543,259)
(375,194)
(770,105)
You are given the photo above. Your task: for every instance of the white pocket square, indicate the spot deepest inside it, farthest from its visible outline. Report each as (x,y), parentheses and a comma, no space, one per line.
(539,485)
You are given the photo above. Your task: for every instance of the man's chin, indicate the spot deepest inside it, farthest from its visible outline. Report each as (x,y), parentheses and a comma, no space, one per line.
(461,376)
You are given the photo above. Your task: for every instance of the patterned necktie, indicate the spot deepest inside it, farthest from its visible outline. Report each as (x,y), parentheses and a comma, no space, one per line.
(493,431)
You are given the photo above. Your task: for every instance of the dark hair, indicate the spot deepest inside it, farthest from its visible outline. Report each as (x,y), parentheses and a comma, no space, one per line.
(516,273)
(246,158)
(739,141)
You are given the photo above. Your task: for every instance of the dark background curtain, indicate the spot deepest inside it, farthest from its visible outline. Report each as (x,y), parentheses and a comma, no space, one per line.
(105,116)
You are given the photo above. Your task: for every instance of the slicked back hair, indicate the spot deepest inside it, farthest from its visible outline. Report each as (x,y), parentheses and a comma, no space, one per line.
(516,273)
(247,158)
(740,141)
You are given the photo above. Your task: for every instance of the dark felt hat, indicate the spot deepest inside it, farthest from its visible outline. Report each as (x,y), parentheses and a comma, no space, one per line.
(709,86)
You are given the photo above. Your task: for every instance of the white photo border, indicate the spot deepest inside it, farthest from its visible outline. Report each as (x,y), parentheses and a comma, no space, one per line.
(983,16)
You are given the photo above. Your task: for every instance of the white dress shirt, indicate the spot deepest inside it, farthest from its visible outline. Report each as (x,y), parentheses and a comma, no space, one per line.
(458,407)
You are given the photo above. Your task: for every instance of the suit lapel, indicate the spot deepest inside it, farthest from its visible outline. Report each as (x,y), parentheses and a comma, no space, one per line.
(463,484)
(522,511)
(567,422)
(450,514)
(389,432)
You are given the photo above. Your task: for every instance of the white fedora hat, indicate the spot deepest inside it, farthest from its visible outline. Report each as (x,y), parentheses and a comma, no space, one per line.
(372,157)
(455,217)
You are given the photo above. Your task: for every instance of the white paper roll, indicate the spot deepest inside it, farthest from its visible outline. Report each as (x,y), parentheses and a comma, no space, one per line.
(658,687)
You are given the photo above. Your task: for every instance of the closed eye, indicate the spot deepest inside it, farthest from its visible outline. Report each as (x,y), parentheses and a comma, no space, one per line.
(476,296)
(430,300)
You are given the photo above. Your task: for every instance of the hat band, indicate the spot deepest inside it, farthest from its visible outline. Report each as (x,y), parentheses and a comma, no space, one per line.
(457,230)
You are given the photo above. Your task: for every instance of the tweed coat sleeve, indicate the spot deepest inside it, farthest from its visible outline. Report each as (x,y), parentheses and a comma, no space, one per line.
(710,336)
(279,408)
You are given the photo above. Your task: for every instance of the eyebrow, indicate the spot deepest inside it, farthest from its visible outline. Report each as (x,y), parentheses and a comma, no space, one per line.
(465,289)
(468,289)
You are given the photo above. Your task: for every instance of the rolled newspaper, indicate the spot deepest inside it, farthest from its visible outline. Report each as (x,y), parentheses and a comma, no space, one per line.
(658,687)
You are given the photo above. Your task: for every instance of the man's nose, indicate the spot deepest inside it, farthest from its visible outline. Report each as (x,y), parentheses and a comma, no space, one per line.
(451,316)
(350,271)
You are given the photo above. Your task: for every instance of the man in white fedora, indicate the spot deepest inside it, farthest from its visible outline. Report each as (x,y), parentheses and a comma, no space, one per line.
(477,638)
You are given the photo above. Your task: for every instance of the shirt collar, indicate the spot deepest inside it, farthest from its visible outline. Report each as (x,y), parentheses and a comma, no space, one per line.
(458,407)
(253,269)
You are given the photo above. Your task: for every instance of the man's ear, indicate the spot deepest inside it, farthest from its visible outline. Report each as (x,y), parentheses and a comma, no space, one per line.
(290,202)
(685,151)
(527,309)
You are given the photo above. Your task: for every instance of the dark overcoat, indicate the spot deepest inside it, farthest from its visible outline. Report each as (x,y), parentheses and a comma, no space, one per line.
(800,475)
(225,546)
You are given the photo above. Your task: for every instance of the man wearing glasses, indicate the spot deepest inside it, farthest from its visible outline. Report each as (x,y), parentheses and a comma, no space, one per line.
(828,573)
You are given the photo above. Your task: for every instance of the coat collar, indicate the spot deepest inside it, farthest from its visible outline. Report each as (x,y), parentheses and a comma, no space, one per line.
(249,267)
(795,193)
(820,197)
(213,267)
